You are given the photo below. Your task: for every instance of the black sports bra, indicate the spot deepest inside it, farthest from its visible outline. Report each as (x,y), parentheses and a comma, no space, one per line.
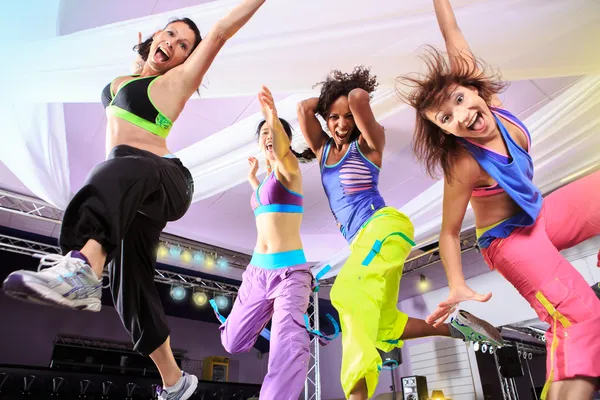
(132,103)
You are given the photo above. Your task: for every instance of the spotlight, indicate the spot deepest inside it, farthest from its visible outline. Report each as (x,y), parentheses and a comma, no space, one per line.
(484,348)
(476,346)
(198,257)
(186,256)
(423,283)
(162,251)
(222,302)
(178,293)
(200,298)
(222,263)
(529,356)
(491,349)
(524,355)
(209,262)
(175,251)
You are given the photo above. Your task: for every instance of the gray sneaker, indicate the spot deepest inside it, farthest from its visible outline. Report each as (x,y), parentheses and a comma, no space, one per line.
(69,282)
(468,327)
(182,390)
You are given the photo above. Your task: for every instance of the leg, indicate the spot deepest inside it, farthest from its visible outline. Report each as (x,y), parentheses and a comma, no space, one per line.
(573,389)
(559,295)
(289,352)
(572,213)
(250,313)
(358,295)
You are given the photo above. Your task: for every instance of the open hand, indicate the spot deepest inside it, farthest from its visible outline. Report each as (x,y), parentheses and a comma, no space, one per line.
(268,109)
(448,306)
(253,164)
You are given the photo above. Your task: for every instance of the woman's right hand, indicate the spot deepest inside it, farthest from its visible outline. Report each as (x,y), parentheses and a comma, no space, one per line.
(253,165)
(457,295)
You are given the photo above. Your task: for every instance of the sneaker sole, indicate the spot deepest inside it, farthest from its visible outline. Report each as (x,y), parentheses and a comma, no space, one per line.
(31,292)
(484,328)
(190,391)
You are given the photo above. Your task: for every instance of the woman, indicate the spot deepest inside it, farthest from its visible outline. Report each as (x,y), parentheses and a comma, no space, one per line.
(277,283)
(118,215)
(365,292)
(483,151)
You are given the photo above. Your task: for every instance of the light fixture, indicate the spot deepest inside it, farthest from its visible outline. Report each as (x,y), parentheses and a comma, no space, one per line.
(222,302)
(198,257)
(186,256)
(162,251)
(423,283)
(178,293)
(209,262)
(491,349)
(222,263)
(437,395)
(476,346)
(484,348)
(200,298)
(175,251)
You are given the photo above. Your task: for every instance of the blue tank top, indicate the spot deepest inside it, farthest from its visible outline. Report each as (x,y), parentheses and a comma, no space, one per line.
(351,188)
(515,176)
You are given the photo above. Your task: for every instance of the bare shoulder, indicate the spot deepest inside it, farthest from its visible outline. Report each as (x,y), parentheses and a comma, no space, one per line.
(466,170)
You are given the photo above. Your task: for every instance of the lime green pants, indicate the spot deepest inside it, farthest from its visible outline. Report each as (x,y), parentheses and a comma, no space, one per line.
(365,294)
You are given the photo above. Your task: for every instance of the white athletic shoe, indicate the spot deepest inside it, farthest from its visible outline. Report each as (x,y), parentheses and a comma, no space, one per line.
(69,282)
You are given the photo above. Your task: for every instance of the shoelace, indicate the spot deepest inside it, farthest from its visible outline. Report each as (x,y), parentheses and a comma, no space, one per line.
(69,263)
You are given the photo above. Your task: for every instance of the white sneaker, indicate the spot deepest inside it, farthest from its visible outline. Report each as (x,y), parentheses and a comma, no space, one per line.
(69,282)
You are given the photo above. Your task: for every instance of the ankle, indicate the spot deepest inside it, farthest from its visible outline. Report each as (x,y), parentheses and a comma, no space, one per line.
(171,379)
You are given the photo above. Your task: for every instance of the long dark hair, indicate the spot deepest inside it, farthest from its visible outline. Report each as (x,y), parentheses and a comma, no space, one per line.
(340,84)
(306,156)
(143,49)
(431,146)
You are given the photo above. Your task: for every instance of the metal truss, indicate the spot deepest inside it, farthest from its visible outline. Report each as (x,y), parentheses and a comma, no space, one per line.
(27,247)
(312,385)
(28,206)
(38,209)
(468,242)
(194,282)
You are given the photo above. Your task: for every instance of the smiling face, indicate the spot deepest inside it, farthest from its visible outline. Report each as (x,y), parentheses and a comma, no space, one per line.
(463,113)
(171,47)
(340,121)
(265,142)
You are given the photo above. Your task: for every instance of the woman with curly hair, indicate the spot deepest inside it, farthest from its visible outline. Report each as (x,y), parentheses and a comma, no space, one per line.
(483,151)
(365,292)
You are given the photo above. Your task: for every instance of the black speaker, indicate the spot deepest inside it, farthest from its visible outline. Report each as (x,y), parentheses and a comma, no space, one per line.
(509,362)
(414,388)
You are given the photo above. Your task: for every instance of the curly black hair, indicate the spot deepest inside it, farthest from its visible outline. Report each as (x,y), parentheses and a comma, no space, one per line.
(339,84)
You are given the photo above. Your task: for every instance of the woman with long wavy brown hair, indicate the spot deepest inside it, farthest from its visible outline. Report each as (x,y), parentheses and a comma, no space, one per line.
(483,152)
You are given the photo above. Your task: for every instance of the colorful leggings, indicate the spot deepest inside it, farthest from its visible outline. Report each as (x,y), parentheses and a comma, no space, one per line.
(529,259)
(365,294)
(271,290)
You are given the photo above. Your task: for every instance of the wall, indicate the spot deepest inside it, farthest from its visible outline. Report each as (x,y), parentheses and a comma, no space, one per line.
(28,338)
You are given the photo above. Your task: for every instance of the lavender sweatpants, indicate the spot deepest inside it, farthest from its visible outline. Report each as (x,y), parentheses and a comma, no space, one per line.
(281,294)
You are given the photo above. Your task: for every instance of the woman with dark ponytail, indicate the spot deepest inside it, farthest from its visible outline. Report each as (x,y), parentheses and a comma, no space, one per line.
(277,283)
(118,215)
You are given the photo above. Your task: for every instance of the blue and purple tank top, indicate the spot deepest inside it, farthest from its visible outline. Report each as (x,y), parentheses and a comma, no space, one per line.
(513,174)
(351,188)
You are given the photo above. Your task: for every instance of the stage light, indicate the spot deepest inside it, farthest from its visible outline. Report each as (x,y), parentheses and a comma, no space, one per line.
(529,356)
(423,283)
(222,263)
(437,395)
(491,349)
(198,257)
(222,302)
(476,346)
(178,293)
(162,251)
(484,348)
(186,256)
(175,251)
(200,299)
(209,262)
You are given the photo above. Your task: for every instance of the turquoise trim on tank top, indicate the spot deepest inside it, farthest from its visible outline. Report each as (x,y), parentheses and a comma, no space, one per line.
(284,259)
(282,208)
(170,155)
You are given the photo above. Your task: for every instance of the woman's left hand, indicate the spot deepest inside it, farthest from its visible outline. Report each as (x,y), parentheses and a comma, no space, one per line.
(267,106)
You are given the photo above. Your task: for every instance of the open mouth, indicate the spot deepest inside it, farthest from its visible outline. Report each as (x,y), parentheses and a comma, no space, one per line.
(341,135)
(161,55)
(269,146)
(477,123)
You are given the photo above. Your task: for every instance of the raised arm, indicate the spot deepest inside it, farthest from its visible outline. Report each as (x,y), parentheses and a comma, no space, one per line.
(372,132)
(457,194)
(193,69)
(310,125)
(287,163)
(456,44)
